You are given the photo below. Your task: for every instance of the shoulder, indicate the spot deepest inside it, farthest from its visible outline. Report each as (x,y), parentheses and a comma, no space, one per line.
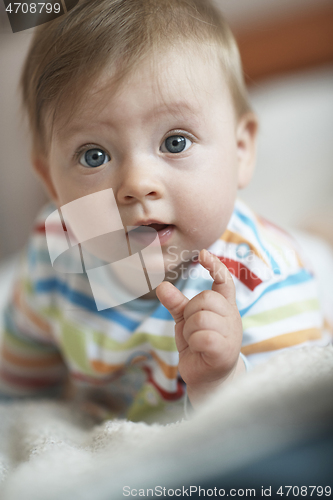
(33,271)
(43,213)
(35,268)
(259,254)
(271,244)
(37,253)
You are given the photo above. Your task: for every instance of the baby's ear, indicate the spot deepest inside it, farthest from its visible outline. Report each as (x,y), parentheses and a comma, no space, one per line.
(41,167)
(246,136)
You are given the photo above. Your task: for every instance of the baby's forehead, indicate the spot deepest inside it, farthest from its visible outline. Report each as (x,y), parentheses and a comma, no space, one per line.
(165,75)
(178,83)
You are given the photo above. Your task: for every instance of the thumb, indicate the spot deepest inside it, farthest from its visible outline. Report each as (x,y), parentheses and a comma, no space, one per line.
(172,299)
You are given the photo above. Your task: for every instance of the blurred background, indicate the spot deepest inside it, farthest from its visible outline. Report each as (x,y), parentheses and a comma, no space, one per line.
(287,52)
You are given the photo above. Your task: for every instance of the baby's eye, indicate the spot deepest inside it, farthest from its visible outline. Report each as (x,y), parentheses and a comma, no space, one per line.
(94,158)
(175,144)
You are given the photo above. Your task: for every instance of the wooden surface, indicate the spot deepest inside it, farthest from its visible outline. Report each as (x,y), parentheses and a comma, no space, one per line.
(301,41)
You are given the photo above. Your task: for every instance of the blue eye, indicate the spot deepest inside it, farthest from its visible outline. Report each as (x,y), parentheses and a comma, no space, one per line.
(176,144)
(94,158)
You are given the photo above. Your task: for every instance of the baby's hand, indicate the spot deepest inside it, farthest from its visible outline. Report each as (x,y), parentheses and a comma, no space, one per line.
(208,330)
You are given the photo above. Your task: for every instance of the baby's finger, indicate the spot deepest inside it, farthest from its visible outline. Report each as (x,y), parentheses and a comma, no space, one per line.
(172,299)
(207,343)
(203,320)
(223,282)
(207,301)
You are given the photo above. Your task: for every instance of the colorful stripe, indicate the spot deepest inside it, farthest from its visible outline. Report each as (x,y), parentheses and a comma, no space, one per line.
(280,313)
(289,239)
(282,341)
(250,223)
(243,273)
(302,276)
(237,239)
(26,382)
(26,362)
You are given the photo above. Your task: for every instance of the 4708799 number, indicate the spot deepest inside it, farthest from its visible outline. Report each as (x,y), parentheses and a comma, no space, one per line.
(304,491)
(33,8)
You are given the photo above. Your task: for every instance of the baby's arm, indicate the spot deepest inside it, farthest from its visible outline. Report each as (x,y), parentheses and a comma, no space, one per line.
(208,331)
(30,363)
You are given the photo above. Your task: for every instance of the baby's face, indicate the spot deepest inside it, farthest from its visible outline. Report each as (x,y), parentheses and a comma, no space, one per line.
(166,143)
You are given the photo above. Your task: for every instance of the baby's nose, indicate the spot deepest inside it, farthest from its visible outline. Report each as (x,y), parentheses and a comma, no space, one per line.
(139,182)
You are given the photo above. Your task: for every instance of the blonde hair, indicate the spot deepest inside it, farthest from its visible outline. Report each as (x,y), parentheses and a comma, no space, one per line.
(67,55)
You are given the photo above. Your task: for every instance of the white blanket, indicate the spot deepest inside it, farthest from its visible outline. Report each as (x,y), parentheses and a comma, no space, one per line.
(47,450)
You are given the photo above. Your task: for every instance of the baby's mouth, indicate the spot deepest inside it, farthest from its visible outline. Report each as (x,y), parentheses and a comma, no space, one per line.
(157,227)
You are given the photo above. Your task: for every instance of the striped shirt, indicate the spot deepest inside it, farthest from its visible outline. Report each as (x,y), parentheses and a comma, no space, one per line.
(122,361)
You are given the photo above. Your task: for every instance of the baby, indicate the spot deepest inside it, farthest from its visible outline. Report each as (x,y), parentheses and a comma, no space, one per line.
(147,98)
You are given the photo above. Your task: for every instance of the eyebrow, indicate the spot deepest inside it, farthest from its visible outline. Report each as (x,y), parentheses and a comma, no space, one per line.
(173,108)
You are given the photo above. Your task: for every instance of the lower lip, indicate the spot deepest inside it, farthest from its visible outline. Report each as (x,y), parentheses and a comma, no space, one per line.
(146,239)
(165,234)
